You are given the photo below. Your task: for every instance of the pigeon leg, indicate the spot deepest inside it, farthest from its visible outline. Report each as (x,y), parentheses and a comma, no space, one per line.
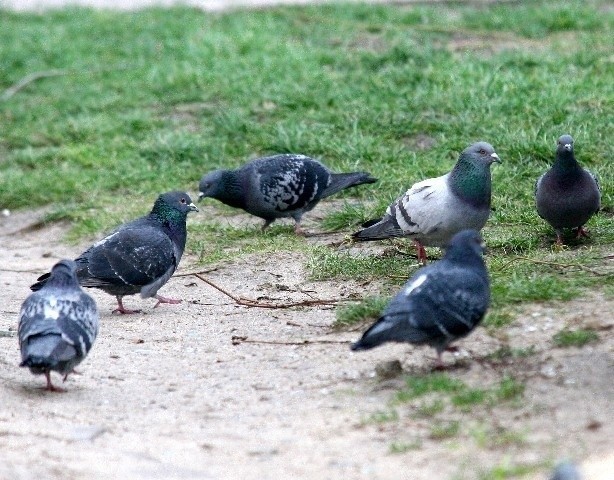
(267,223)
(439,362)
(421,252)
(50,387)
(298,230)
(580,232)
(120,307)
(162,299)
(73,372)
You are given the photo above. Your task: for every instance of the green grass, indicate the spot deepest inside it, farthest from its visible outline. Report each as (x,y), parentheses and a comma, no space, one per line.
(369,308)
(574,338)
(148,101)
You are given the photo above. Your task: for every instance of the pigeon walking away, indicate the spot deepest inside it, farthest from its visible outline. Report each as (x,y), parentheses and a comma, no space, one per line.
(139,256)
(285,185)
(433,210)
(567,195)
(57,325)
(441,303)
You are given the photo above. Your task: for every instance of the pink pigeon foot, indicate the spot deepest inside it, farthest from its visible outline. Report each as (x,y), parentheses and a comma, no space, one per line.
(50,387)
(120,308)
(162,299)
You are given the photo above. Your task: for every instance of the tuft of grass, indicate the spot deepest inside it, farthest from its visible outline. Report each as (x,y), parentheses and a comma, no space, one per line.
(442,430)
(430,408)
(417,386)
(402,447)
(506,470)
(574,338)
(369,308)
(383,416)
(507,353)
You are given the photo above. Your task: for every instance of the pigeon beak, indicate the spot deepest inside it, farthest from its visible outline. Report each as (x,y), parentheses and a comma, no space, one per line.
(201,196)
(192,207)
(495,157)
(567,147)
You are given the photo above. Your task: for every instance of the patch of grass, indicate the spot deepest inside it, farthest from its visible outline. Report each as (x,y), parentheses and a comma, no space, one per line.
(402,447)
(383,416)
(417,386)
(443,430)
(369,308)
(156,98)
(574,338)
(507,470)
(506,353)
(497,437)
(430,408)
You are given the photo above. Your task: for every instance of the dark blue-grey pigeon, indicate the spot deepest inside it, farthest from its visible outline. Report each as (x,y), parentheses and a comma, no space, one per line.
(286,185)
(57,325)
(433,210)
(139,256)
(441,303)
(567,195)
(566,471)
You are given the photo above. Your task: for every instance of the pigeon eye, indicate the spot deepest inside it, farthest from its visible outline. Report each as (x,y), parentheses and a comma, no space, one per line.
(183,201)
(482,151)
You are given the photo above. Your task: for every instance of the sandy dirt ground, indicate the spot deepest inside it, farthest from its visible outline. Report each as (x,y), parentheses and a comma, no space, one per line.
(209,389)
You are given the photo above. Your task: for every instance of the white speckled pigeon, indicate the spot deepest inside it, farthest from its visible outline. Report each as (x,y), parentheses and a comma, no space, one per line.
(567,195)
(57,325)
(286,185)
(433,210)
(139,256)
(441,303)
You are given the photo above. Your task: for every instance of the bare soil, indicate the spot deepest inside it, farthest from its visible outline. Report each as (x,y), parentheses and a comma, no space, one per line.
(210,389)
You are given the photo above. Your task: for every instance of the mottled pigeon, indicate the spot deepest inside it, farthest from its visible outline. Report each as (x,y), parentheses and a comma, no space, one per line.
(139,256)
(433,210)
(567,195)
(57,325)
(286,185)
(441,303)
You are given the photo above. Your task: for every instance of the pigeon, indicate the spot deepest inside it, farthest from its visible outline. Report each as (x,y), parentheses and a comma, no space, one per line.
(286,185)
(139,256)
(565,471)
(441,303)
(433,210)
(567,195)
(57,325)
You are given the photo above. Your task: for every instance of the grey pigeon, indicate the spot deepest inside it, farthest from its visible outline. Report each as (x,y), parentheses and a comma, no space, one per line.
(565,471)
(286,185)
(441,303)
(433,210)
(567,195)
(57,325)
(139,256)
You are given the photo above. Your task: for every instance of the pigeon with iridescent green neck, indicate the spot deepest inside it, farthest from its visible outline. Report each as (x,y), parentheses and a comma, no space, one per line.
(567,195)
(139,256)
(433,210)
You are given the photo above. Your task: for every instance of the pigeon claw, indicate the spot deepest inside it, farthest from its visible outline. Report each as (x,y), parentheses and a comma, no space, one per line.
(50,387)
(421,252)
(121,310)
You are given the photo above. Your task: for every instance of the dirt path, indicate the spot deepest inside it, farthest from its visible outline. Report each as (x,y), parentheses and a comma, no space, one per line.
(168,394)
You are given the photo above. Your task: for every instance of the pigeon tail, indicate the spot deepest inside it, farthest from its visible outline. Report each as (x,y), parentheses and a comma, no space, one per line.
(341,181)
(387,227)
(386,329)
(45,352)
(40,282)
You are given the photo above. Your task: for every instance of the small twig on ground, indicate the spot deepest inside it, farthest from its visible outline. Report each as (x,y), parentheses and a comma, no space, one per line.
(246,302)
(28,79)
(189,274)
(20,271)
(34,76)
(553,264)
(237,340)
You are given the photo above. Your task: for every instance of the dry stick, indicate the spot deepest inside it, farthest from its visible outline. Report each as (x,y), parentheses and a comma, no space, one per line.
(554,264)
(246,302)
(239,340)
(32,77)
(189,274)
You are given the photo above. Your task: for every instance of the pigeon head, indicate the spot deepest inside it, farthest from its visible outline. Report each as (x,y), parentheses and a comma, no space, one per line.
(173,206)
(481,153)
(470,177)
(565,144)
(467,241)
(211,185)
(63,273)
